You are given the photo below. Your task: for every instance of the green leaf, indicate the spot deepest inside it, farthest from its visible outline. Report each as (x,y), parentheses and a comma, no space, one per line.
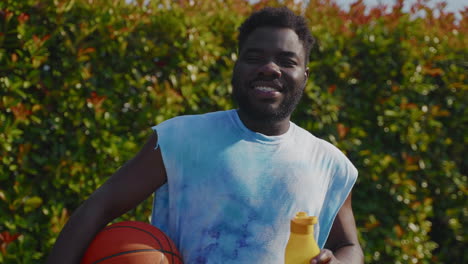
(32,203)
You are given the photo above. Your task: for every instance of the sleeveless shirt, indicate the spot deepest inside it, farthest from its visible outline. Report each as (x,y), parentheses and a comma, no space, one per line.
(231,192)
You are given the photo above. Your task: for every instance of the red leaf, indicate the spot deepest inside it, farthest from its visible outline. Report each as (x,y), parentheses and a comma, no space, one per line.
(20,112)
(433,71)
(85,51)
(36,39)
(342,130)
(45,38)
(408,106)
(23,17)
(5,239)
(7,14)
(96,100)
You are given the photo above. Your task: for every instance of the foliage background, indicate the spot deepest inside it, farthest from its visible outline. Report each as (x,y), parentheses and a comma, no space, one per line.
(82,81)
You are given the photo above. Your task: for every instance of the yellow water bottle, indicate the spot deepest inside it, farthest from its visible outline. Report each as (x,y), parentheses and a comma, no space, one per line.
(302,247)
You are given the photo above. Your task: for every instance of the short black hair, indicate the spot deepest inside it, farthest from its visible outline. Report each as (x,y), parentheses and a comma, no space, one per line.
(280,17)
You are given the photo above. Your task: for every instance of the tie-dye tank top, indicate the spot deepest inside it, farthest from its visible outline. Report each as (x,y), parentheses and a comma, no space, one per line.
(231,192)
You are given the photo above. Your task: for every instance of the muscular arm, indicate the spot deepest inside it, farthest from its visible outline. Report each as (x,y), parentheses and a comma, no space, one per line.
(124,190)
(342,245)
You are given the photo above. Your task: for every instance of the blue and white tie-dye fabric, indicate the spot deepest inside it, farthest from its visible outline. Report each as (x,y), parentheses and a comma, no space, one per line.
(231,192)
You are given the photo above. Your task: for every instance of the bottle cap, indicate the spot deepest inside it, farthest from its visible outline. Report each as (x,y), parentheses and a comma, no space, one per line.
(303,224)
(301,214)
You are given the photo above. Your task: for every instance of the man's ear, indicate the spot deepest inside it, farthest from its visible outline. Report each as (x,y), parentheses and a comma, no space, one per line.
(306,73)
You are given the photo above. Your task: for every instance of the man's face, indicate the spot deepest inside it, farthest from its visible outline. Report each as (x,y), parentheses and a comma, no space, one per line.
(270,74)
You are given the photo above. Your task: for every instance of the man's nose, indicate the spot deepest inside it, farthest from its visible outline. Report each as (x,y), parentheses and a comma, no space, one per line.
(270,69)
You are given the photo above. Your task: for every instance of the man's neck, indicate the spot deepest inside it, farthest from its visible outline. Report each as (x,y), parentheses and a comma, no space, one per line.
(268,128)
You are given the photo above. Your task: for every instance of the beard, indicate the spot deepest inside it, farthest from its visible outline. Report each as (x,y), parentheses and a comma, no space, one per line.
(267,114)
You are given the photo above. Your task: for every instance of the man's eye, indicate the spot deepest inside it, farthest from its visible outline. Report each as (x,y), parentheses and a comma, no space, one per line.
(288,63)
(252,59)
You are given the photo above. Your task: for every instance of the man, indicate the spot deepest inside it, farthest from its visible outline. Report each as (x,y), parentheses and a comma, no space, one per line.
(228,183)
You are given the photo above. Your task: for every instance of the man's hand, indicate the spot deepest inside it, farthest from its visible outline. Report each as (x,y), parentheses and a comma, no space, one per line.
(325,257)
(342,243)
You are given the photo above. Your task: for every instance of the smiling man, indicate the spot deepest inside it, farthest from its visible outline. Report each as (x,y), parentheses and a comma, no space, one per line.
(227,183)
(269,78)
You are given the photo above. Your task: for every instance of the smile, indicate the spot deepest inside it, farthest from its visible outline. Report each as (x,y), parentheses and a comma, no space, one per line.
(265,89)
(267,86)
(266,92)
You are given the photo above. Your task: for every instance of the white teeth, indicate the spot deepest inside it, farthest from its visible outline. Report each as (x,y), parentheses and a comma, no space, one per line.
(265,89)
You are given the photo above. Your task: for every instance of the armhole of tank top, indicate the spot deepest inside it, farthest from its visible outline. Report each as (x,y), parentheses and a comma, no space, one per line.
(157,138)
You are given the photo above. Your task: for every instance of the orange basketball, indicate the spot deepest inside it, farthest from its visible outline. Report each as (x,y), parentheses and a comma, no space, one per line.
(131,242)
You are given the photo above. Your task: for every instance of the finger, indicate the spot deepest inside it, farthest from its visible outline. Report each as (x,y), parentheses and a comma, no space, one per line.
(324,257)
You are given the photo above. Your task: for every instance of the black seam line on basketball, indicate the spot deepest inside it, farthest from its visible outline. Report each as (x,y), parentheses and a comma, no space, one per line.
(170,246)
(149,233)
(130,252)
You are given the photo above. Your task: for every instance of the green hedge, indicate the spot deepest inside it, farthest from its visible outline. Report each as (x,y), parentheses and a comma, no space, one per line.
(82,81)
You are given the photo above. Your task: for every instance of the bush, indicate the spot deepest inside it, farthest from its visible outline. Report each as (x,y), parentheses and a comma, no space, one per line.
(82,81)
